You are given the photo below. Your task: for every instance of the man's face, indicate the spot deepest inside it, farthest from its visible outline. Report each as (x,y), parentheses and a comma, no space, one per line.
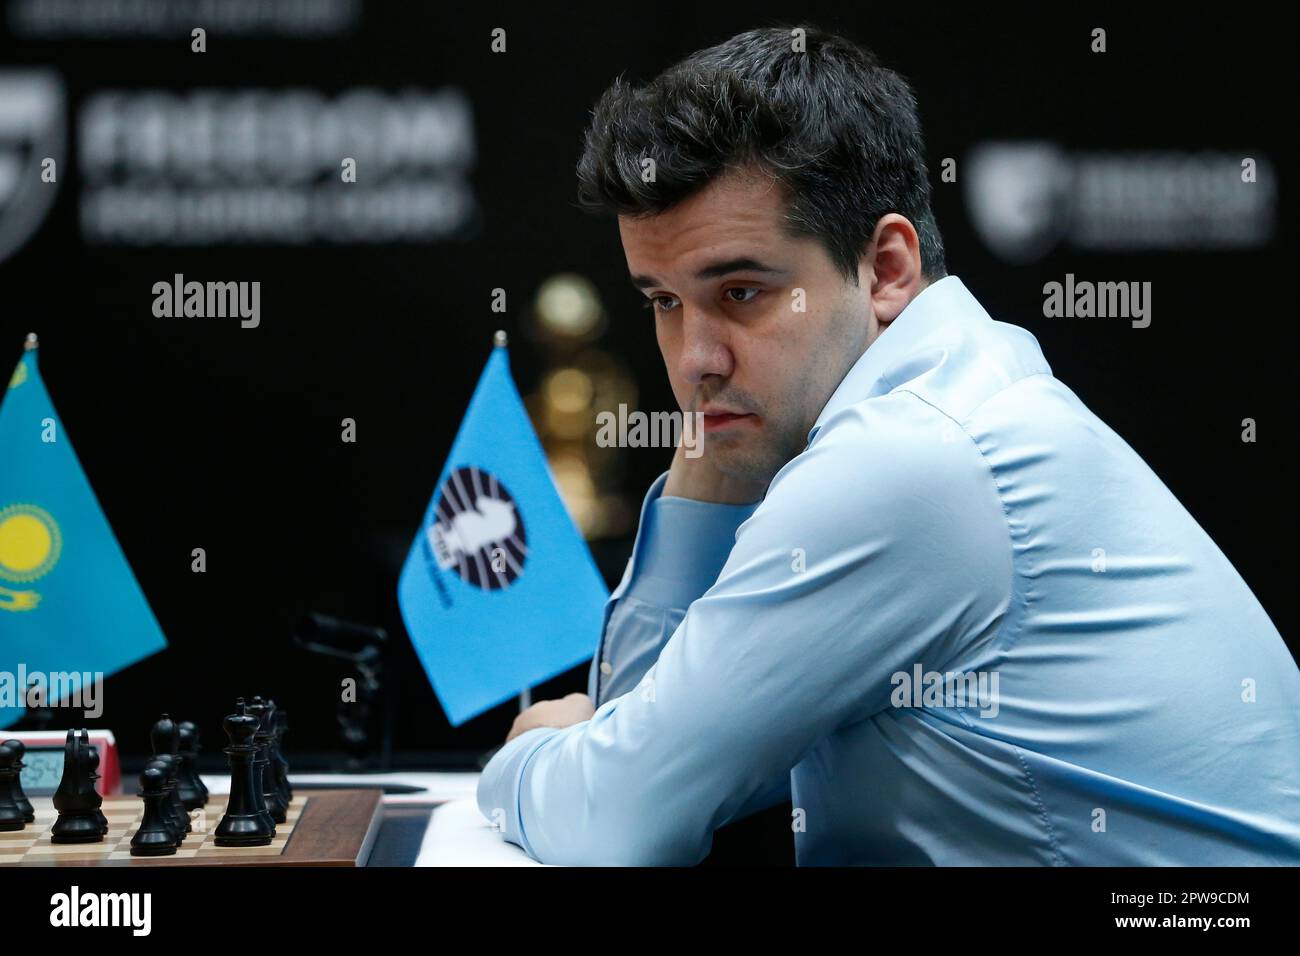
(727,283)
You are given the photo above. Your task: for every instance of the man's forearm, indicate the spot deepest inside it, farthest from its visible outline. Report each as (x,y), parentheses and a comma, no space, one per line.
(680,548)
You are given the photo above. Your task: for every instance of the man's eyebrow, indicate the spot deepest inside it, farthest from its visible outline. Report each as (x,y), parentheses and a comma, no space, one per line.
(739,264)
(715,270)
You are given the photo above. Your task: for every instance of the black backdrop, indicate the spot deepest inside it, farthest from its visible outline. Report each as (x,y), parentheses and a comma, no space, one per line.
(197,433)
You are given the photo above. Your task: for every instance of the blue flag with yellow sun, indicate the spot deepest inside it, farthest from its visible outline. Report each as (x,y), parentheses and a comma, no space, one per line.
(69,603)
(499,591)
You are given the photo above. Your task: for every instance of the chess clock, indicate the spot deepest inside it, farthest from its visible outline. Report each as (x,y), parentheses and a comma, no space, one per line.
(43,762)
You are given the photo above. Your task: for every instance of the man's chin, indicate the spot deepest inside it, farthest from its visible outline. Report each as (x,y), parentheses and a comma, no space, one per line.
(736,459)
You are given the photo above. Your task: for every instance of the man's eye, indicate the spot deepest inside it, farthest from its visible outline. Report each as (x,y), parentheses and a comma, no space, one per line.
(746,294)
(660,303)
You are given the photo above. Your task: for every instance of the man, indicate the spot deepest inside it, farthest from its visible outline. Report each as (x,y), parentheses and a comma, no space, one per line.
(912,581)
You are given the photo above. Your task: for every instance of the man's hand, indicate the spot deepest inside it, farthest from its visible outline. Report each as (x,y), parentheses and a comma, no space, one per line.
(572,709)
(698,478)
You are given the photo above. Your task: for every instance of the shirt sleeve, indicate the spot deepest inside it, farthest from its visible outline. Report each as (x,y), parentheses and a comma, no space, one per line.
(881,547)
(681,545)
(680,548)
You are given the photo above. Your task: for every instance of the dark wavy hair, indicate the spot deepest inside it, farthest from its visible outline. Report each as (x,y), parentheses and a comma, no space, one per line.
(836,128)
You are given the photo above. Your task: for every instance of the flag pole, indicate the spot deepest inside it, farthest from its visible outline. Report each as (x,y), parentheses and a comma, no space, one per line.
(500,340)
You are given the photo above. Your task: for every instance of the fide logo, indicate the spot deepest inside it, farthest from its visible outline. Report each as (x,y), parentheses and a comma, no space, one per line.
(1019,197)
(32,129)
(478,530)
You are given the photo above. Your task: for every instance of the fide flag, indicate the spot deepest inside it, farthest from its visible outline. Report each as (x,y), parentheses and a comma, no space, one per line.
(499,591)
(69,604)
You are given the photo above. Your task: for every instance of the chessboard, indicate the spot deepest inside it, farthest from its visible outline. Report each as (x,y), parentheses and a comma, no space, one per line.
(322,828)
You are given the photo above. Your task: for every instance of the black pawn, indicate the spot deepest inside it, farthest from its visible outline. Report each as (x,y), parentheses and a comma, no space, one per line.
(155,837)
(90,754)
(176,815)
(20,750)
(192,792)
(178,807)
(165,737)
(274,781)
(92,773)
(11,814)
(264,769)
(167,805)
(245,822)
(198,779)
(281,728)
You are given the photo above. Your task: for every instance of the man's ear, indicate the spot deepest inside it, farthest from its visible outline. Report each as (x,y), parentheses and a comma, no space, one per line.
(893,267)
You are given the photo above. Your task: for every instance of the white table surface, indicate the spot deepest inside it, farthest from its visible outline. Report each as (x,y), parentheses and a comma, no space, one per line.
(458,835)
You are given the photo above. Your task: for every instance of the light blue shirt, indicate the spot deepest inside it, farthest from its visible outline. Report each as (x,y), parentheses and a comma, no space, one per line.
(966,625)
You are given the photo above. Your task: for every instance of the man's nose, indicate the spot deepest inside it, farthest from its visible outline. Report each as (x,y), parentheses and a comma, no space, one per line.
(706,346)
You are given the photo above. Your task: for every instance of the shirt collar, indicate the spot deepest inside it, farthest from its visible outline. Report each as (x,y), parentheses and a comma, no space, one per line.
(937,304)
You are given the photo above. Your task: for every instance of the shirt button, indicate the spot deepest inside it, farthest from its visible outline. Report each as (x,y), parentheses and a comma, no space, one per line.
(606,668)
